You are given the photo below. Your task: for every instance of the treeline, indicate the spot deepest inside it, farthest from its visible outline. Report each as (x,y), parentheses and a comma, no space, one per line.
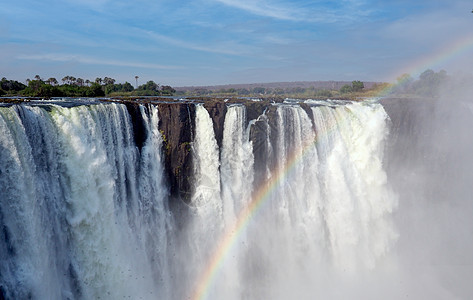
(258,91)
(356,89)
(428,84)
(78,87)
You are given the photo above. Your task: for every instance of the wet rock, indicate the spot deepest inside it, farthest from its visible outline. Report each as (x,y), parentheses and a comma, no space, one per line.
(176,124)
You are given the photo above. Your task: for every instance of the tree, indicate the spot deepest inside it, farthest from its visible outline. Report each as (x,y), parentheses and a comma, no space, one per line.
(278,91)
(95,90)
(427,74)
(52,81)
(167,90)
(69,80)
(37,88)
(259,90)
(243,91)
(98,80)
(108,80)
(429,82)
(127,87)
(11,85)
(72,80)
(149,86)
(323,93)
(346,89)
(297,90)
(357,85)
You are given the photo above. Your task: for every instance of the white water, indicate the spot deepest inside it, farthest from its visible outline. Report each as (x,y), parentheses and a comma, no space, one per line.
(237,163)
(85,213)
(206,160)
(357,202)
(82,203)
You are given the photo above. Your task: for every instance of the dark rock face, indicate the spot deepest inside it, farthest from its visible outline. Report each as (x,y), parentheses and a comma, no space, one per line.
(177,126)
(309,113)
(217,110)
(263,150)
(254,109)
(411,133)
(429,147)
(177,123)
(139,130)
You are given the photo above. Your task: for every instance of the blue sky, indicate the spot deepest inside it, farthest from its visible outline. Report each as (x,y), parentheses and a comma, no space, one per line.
(206,42)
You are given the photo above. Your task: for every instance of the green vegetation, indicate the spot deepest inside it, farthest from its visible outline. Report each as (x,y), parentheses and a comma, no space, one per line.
(153,89)
(353,91)
(346,89)
(428,84)
(78,87)
(186,146)
(166,143)
(10,87)
(355,87)
(262,92)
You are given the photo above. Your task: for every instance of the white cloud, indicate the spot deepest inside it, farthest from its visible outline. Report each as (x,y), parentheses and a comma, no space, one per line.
(59,57)
(263,8)
(313,13)
(229,48)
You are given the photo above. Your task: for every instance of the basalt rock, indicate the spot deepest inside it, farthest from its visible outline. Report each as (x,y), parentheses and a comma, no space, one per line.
(217,110)
(139,131)
(177,127)
(176,124)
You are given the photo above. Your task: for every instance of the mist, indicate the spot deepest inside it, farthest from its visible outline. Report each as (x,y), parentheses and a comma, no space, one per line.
(429,164)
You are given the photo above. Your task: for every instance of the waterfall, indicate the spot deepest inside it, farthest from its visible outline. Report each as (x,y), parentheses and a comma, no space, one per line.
(237,163)
(356,198)
(76,212)
(206,159)
(86,211)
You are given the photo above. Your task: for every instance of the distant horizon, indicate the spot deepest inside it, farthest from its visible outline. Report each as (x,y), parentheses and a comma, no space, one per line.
(309,82)
(267,83)
(189,86)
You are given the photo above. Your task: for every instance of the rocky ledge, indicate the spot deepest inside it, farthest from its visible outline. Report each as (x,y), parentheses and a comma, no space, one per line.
(177,125)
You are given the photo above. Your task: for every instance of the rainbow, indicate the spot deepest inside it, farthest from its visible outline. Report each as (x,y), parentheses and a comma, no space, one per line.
(434,60)
(231,235)
(233,232)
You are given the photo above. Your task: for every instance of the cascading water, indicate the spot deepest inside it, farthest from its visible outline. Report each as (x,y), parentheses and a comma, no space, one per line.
(356,198)
(86,214)
(236,163)
(78,216)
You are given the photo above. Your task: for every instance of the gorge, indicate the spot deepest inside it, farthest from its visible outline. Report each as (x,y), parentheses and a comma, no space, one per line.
(234,199)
